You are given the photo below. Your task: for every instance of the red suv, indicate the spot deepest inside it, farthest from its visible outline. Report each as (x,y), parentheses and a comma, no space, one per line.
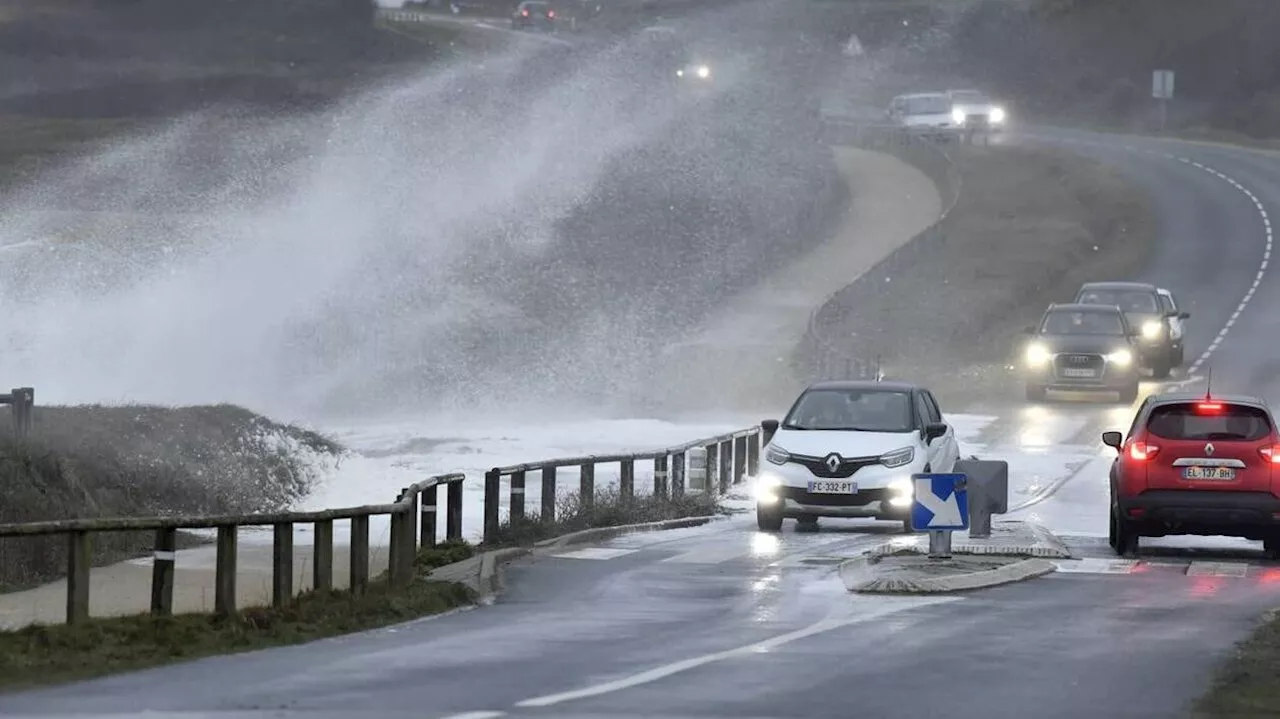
(1196,465)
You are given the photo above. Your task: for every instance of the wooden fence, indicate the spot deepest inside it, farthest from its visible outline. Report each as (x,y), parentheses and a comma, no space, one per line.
(21,401)
(729,458)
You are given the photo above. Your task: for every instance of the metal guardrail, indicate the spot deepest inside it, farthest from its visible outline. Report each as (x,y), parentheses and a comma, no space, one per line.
(826,360)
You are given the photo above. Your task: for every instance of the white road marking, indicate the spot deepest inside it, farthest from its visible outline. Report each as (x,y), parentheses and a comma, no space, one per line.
(476,715)
(595,553)
(1217,569)
(863,610)
(1092,565)
(709,555)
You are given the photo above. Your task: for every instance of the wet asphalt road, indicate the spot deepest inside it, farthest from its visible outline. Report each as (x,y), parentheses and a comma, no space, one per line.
(722,621)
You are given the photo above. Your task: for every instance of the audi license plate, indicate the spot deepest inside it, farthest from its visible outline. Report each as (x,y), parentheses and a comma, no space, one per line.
(1072,372)
(833,487)
(1208,473)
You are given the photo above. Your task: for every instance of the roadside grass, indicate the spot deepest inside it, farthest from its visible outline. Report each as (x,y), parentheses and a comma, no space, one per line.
(142,460)
(49,654)
(1245,685)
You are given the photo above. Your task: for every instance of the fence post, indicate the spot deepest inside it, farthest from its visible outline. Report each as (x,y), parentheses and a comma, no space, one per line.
(359,554)
(678,474)
(753,454)
(427,531)
(739,458)
(453,510)
(21,404)
(492,496)
(660,476)
(515,508)
(224,581)
(548,514)
(411,536)
(322,556)
(713,461)
(78,566)
(282,564)
(587,484)
(627,478)
(395,562)
(725,465)
(162,562)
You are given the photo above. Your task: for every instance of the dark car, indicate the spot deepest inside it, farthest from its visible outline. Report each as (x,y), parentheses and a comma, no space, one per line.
(532,14)
(1153,312)
(1198,465)
(1079,347)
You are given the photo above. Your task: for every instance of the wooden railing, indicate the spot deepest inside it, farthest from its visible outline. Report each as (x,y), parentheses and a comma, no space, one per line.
(21,401)
(729,458)
(711,465)
(414,503)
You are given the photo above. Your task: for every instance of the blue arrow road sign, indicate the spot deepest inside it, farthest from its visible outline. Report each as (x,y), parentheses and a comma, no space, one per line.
(940,502)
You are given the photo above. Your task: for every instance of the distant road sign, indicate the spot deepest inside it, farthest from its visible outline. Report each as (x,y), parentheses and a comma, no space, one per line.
(1162,84)
(941,502)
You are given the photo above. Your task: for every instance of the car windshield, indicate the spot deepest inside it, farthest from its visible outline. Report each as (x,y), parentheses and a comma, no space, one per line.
(868,410)
(1136,301)
(969,97)
(1083,323)
(1217,422)
(928,105)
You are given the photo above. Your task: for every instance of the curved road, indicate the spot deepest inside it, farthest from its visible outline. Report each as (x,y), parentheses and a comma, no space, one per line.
(722,621)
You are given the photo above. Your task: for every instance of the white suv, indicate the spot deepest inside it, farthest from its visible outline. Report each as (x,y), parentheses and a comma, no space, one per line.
(848,449)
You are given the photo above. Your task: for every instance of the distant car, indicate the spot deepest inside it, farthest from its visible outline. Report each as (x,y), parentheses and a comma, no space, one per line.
(1153,311)
(1079,347)
(924,113)
(848,449)
(1199,465)
(533,14)
(974,110)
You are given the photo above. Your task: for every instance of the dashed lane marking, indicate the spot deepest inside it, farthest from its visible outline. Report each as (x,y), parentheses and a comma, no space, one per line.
(1217,569)
(595,553)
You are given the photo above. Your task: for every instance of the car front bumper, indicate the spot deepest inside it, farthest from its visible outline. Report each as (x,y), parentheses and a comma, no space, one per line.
(1111,378)
(882,492)
(1157,513)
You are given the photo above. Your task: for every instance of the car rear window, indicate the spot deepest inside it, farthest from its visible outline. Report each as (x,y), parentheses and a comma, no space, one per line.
(1209,421)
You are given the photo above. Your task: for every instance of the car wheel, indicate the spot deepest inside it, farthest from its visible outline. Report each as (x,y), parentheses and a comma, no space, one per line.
(1129,394)
(1122,537)
(1035,393)
(1271,545)
(1178,358)
(768,520)
(1161,368)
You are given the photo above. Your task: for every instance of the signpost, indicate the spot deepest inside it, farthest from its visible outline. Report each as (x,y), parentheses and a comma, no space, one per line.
(1162,90)
(940,505)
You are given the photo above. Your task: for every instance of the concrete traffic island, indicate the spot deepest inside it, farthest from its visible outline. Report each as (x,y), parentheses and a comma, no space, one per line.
(1014,552)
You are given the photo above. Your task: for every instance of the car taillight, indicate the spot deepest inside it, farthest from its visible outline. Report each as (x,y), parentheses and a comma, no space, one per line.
(1142,451)
(1209,407)
(1271,453)
(524,13)
(551,13)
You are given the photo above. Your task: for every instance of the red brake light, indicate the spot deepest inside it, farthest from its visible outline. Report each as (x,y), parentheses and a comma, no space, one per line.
(551,13)
(1209,406)
(525,13)
(1142,451)
(1271,453)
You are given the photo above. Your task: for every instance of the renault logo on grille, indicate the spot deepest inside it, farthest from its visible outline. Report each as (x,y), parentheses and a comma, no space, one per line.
(1208,450)
(832,461)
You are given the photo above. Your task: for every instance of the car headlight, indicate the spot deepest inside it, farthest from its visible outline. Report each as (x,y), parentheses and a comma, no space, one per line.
(898,457)
(901,492)
(1121,357)
(766,489)
(774,455)
(997,115)
(1036,355)
(1152,330)
(704,72)
(957,116)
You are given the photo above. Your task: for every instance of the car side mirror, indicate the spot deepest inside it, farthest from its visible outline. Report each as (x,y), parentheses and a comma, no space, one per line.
(1113,439)
(934,430)
(768,428)
(1184,315)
